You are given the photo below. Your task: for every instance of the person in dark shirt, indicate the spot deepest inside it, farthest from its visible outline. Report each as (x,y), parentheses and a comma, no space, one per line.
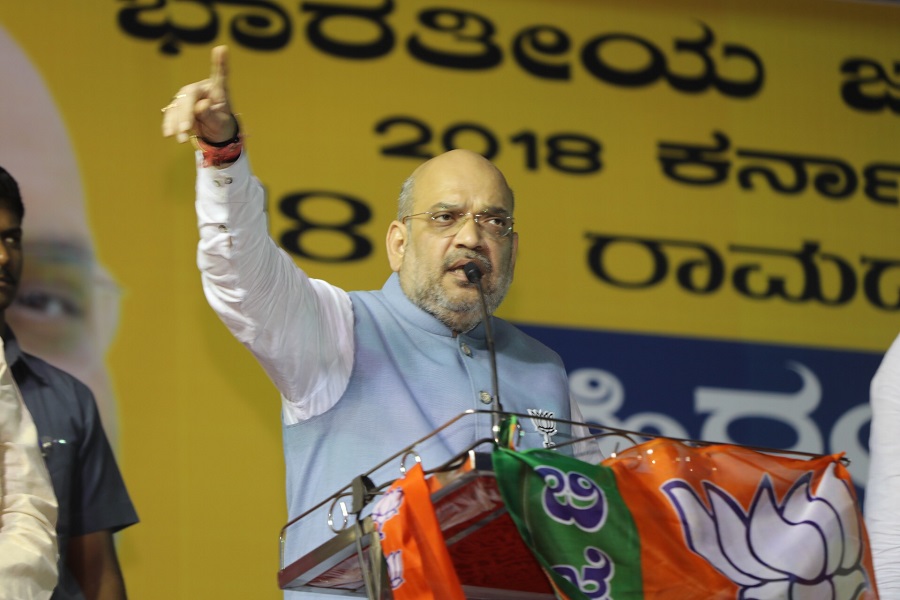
(93,500)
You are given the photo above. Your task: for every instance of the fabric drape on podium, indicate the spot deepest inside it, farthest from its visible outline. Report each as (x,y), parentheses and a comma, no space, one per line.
(419,565)
(663,520)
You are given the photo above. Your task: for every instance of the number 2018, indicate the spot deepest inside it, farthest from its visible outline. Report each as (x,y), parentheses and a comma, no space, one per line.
(570,153)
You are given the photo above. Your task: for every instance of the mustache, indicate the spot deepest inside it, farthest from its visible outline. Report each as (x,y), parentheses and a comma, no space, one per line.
(7,276)
(484,263)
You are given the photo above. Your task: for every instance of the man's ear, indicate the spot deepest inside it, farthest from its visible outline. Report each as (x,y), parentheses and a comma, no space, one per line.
(396,239)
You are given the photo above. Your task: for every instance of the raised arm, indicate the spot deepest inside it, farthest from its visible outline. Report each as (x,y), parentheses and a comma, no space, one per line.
(299,329)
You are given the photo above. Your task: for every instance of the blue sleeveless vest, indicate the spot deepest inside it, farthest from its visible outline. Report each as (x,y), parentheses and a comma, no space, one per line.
(411,376)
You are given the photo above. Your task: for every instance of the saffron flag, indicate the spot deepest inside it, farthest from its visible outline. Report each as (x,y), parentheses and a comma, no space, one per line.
(664,520)
(418,563)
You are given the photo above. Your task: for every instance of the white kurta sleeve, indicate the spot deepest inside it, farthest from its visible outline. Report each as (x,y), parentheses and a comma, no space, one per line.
(883,488)
(28,552)
(299,329)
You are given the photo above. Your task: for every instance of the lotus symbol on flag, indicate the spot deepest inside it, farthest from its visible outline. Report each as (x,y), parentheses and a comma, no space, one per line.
(805,547)
(394,562)
(387,508)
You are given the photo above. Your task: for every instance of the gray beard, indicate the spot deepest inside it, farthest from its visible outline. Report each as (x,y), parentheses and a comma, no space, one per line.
(460,316)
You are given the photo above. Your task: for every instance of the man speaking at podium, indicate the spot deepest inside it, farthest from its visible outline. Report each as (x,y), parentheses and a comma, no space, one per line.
(362,375)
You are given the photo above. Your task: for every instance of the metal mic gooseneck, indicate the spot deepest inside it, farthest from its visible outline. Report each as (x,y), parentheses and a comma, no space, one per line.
(474,275)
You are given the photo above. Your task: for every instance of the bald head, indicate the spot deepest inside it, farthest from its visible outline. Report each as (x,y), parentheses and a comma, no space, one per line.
(454,165)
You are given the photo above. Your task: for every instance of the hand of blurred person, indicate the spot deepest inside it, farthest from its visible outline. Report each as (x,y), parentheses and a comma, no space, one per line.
(203,108)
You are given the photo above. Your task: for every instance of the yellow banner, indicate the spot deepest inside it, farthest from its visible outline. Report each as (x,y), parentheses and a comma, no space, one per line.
(706,169)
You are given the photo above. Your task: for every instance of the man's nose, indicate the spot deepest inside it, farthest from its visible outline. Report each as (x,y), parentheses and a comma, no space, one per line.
(470,233)
(4,254)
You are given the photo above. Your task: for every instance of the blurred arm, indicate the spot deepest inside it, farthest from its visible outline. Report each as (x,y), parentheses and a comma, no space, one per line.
(883,489)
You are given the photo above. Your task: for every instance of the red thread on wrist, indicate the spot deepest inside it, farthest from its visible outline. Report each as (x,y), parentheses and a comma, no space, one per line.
(216,156)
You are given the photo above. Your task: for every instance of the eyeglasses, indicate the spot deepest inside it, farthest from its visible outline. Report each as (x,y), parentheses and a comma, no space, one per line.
(447,221)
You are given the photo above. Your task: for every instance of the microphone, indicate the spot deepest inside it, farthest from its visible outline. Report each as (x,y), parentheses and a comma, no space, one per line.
(474,275)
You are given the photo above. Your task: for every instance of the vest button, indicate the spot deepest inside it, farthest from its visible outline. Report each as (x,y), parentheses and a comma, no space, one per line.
(465,348)
(485,397)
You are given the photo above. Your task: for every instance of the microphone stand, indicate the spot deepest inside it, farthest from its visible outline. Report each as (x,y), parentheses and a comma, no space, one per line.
(474,275)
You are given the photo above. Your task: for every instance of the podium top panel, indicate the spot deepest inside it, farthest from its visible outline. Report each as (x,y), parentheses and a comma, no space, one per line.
(487,552)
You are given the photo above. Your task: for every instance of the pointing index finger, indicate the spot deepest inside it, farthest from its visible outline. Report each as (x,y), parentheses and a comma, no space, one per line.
(219,67)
